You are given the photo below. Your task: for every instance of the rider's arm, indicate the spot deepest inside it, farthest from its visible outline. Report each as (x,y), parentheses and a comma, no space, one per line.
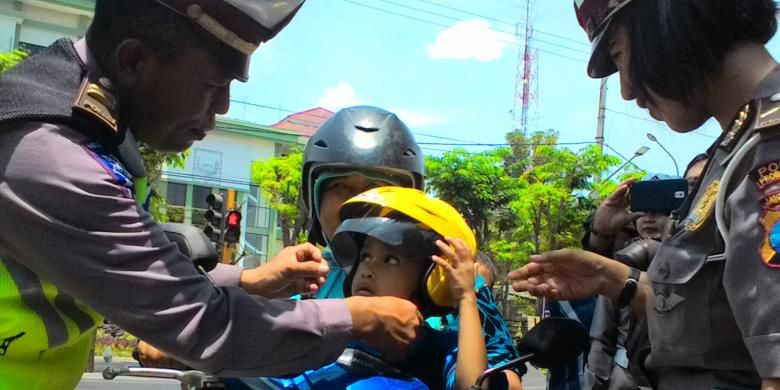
(472,355)
(67,219)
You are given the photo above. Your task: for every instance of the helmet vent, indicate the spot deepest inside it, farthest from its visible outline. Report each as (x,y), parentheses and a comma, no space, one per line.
(409,153)
(321,143)
(367,129)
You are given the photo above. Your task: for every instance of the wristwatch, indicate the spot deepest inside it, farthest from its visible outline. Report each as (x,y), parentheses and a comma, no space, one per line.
(629,289)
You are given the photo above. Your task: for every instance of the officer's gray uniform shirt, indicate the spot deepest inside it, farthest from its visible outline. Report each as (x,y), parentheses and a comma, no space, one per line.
(714,319)
(67,219)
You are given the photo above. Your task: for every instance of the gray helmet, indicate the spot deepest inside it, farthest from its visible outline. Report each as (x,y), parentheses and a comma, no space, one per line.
(365,138)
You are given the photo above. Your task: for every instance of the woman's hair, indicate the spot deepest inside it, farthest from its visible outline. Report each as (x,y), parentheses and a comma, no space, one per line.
(676,46)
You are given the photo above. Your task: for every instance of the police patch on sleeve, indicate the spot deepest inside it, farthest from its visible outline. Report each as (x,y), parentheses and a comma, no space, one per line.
(770,221)
(767,177)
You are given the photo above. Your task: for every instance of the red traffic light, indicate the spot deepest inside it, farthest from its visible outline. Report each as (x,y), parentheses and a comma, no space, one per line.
(233,219)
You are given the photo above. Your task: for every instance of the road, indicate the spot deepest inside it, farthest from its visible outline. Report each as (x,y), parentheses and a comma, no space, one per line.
(534,380)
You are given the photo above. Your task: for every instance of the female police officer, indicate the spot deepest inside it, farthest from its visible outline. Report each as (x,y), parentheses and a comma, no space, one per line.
(711,294)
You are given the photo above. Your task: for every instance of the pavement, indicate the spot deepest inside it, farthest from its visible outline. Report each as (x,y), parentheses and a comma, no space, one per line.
(533,380)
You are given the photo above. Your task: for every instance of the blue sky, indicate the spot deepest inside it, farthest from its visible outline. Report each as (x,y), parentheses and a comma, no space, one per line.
(450,74)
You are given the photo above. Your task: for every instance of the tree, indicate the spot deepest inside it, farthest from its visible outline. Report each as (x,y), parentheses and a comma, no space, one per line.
(474,183)
(9,59)
(279,179)
(525,199)
(153,162)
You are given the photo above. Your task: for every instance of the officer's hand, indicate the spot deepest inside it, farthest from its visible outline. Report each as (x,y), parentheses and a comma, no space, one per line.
(296,269)
(152,357)
(387,324)
(612,215)
(570,274)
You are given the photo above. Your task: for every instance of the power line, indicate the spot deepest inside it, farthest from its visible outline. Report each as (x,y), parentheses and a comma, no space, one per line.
(508,144)
(579,60)
(327,117)
(657,123)
(501,21)
(624,157)
(491,29)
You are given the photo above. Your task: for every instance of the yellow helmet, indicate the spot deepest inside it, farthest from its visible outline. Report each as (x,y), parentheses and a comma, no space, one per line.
(407,218)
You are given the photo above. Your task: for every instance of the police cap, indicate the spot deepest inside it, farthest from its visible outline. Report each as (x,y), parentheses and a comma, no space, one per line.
(241,25)
(596,17)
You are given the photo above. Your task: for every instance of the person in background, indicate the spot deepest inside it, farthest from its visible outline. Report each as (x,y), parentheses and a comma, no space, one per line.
(619,340)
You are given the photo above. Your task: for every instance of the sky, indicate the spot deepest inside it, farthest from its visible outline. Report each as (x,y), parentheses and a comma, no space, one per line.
(448,69)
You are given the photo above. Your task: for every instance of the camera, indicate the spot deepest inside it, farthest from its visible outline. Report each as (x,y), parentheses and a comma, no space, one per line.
(660,196)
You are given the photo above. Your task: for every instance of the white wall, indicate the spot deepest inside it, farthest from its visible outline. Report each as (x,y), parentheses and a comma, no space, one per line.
(226,156)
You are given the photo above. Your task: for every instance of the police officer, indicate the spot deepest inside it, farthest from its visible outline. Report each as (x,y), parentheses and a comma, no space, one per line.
(711,293)
(75,243)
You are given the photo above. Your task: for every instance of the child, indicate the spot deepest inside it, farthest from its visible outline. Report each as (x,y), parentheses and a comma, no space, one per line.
(399,242)
(402,243)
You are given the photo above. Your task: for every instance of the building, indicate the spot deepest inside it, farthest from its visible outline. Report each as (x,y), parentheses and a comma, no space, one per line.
(34,24)
(223,160)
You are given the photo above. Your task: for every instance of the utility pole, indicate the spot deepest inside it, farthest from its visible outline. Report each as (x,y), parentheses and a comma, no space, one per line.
(602,114)
(600,123)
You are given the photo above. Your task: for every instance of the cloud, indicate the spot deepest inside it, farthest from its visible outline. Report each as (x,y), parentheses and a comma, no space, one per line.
(471,39)
(415,119)
(340,96)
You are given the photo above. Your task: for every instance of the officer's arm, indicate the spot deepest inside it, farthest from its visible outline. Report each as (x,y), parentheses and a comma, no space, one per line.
(751,276)
(67,219)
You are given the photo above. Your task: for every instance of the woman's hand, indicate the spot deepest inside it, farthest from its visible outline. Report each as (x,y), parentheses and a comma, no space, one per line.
(570,274)
(612,215)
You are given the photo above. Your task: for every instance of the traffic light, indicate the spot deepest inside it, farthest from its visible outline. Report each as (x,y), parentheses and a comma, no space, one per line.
(214,219)
(232,227)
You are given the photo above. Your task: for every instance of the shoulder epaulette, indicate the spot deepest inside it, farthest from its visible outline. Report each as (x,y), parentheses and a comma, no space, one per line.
(768,113)
(96,100)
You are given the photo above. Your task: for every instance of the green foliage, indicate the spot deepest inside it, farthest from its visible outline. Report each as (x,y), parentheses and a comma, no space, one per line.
(525,199)
(476,184)
(9,59)
(153,161)
(279,179)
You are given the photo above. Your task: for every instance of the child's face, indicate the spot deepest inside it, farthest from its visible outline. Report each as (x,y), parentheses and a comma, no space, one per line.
(338,191)
(382,272)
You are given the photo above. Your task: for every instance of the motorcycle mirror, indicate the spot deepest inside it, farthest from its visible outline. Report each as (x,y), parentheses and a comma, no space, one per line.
(193,243)
(554,341)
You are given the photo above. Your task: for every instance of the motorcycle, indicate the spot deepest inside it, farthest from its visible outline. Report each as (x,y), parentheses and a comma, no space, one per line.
(551,342)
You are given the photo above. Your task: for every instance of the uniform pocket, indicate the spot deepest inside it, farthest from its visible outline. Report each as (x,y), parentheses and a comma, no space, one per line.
(680,321)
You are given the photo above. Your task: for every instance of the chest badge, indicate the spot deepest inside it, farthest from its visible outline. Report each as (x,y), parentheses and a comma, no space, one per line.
(704,208)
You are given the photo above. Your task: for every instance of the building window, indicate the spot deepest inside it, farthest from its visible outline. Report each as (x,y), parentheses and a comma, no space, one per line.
(257,244)
(199,195)
(177,194)
(199,205)
(258,215)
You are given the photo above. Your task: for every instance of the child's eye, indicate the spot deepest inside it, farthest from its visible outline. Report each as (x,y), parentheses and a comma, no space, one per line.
(392,260)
